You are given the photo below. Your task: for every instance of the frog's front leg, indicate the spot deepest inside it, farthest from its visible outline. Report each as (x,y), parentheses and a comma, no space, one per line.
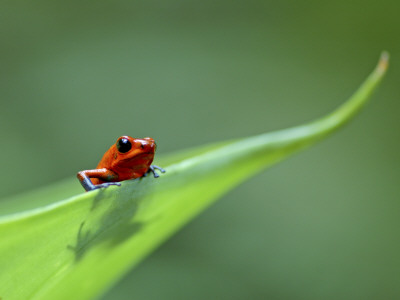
(153,170)
(102,174)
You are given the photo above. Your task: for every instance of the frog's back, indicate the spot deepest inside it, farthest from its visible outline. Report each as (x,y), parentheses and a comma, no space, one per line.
(107,158)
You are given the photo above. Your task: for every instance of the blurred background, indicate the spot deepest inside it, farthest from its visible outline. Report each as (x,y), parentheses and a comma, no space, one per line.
(324,224)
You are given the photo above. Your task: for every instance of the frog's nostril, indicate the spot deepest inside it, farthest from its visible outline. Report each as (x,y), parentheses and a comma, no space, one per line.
(147,144)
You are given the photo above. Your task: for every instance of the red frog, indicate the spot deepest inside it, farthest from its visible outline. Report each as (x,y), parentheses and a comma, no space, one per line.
(128,158)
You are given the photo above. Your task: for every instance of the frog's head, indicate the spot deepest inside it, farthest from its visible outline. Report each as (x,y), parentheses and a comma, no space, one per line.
(134,153)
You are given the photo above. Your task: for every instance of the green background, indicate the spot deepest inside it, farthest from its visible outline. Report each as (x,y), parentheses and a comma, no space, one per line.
(75,75)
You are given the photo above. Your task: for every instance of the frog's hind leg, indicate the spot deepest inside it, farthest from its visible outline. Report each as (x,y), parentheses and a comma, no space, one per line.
(102,174)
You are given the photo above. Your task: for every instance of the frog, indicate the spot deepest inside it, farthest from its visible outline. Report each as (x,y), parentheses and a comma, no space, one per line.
(128,158)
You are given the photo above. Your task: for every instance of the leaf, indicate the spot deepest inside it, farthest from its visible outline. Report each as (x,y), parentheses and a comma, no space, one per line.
(78,247)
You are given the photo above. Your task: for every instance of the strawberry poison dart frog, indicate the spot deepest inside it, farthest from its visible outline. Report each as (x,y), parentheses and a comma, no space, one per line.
(128,158)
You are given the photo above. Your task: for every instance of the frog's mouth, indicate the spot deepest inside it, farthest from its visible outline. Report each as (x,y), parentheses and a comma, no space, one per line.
(140,156)
(143,155)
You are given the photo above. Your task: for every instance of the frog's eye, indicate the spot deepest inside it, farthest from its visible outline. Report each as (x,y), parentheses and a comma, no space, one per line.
(124,145)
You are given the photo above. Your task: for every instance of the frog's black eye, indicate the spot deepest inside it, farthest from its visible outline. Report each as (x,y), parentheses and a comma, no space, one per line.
(124,145)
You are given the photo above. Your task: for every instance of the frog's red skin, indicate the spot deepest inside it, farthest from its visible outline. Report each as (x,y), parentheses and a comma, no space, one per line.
(116,166)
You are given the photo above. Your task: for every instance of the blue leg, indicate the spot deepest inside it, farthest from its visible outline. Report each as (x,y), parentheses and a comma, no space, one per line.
(153,170)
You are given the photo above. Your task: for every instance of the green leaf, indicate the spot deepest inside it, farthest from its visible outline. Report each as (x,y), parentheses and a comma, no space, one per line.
(78,247)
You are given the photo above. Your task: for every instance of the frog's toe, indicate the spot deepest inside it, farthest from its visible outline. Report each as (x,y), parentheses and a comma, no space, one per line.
(153,168)
(106,184)
(158,168)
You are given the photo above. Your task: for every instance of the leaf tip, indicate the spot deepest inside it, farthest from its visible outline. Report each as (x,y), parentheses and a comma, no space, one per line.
(383,62)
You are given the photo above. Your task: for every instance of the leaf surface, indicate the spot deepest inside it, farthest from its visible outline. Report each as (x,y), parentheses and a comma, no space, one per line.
(78,247)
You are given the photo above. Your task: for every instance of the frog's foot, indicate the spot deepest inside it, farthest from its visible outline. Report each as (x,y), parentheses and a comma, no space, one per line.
(153,169)
(105,185)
